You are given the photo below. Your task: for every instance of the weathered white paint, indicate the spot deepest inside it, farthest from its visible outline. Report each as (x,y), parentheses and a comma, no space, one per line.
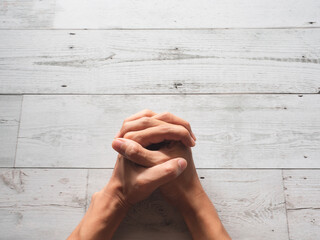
(233,131)
(99,14)
(10,107)
(250,203)
(175,62)
(39,222)
(302,192)
(41,202)
(302,188)
(48,187)
(304,224)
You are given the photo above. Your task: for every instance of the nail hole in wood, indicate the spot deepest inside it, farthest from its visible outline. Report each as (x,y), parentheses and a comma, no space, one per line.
(64,86)
(176,85)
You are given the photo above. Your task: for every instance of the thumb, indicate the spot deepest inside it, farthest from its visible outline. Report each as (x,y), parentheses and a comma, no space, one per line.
(164,172)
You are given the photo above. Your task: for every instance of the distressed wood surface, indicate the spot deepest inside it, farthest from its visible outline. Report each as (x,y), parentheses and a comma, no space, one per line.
(97,14)
(175,62)
(233,131)
(169,47)
(302,192)
(249,202)
(41,202)
(302,188)
(304,224)
(10,107)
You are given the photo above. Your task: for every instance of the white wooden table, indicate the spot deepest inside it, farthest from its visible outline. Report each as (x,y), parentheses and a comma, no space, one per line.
(246,74)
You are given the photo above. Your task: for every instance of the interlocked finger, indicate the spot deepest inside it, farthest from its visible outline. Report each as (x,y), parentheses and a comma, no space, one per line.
(134,152)
(164,132)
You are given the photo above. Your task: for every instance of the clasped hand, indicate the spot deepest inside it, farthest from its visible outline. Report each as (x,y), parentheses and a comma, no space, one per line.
(154,152)
(139,171)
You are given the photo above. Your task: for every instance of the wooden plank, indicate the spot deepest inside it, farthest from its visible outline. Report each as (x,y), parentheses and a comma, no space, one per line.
(10,107)
(41,202)
(133,62)
(39,222)
(302,188)
(304,224)
(99,14)
(43,187)
(250,203)
(302,191)
(233,131)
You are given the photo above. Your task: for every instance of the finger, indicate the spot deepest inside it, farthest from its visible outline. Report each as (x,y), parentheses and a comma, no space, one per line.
(134,152)
(170,118)
(162,173)
(139,124)
(143,113)
(161,133)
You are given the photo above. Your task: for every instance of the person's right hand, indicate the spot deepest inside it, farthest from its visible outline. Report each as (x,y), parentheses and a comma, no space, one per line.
(185,192)
(147,128)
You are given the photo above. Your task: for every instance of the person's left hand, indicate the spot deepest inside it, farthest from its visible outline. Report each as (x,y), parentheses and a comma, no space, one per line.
(131,182)
(172,137)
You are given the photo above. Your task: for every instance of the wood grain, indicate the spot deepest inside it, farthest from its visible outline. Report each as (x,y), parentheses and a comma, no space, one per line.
(10,107)
(302,192)
(97,14)
(250,204)
(304,224)
(233,131)
(302,188)
(175,62)
(39,202)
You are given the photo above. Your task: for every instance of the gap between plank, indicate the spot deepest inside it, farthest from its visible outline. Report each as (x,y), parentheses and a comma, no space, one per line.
(150,94)
(18,132)
(155,29)
(285,203)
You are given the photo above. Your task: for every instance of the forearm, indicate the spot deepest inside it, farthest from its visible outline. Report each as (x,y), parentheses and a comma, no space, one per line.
(201,217)
(102,218)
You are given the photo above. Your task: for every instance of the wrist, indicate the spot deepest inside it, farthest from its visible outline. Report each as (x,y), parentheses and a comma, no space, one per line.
(201,217)
(181,194)
(103,217)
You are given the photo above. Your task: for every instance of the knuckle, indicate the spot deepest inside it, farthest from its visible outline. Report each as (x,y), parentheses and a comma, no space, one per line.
(124,127)
(129,135)
(165,128)
(147,111)
(131,150)
(185,132)
(145,120)
(167,115)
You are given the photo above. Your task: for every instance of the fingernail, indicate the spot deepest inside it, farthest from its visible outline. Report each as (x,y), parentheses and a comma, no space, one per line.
(182,164)
(193,136)
(118,143)
(193,142)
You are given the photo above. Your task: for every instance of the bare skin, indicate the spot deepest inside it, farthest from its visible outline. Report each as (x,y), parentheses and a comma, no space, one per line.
(139,171)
